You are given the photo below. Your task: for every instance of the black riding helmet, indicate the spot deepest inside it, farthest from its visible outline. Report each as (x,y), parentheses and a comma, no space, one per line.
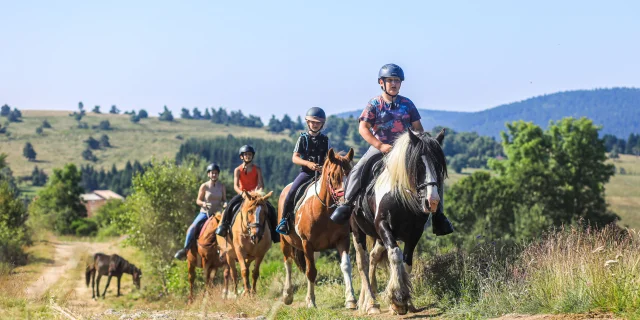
(387,71)
(316,114)
(246,148)
(213,166)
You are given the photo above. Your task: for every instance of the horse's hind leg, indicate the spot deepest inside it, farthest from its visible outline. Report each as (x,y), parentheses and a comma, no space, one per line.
(93,284)
(311,273)
(192,279)
(374,258)
(119,277)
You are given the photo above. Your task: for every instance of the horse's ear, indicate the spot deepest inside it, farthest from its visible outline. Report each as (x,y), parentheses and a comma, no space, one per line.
(268,195)
(413,137)
(350,154)
(440,136)
(332,155)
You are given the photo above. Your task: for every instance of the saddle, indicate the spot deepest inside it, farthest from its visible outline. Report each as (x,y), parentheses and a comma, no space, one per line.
(297,199)
(271,218)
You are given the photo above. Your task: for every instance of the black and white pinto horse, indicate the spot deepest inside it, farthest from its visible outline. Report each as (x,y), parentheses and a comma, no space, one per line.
(405,192)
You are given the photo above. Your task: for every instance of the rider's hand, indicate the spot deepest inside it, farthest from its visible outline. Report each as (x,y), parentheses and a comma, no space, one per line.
(313,166)
(385,148)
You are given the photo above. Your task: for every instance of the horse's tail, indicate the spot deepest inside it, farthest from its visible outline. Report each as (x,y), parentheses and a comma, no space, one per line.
(90,270)
(298,256)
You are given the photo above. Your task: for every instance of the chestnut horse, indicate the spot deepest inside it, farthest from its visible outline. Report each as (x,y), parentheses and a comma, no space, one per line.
(315,232)
(251,239)
(205,253)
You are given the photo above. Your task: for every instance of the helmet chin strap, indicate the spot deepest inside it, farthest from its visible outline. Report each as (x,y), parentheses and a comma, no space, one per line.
(393,96)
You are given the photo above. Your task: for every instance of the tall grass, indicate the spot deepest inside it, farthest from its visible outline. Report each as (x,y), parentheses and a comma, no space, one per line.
(570,270)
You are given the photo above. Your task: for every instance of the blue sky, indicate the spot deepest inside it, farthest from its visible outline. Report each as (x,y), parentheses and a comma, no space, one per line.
(277,57)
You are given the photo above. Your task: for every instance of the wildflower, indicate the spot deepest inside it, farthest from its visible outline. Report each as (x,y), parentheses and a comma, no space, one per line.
(610,262)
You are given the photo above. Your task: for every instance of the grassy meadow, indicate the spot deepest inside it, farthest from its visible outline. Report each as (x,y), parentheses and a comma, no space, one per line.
(63,143)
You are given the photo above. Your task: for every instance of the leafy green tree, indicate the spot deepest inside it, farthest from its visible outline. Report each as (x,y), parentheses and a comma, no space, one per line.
(114,110)
(38,177)
(143,114)
(185,114)
(134,118)
(4,110)
(96,109)
(14,116)
(46,124)
(196,114)
(28,152)
(14,234)
(166,115)
(88,155)
(58,204)
(104,141)
(92,143)
(155,222)
(207,115)
(104,125)
(39,131)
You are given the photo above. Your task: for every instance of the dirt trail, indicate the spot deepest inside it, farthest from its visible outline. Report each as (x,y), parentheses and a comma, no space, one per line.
(66,258)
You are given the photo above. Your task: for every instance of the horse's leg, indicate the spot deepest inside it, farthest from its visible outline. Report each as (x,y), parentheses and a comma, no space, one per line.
(374,258)
(345,266)
(398,289)
(367,302)
(409,248)
(311,273)
(93,282)
(255,274)
(119,277)
(287,291)
(244,271)
(107,286)
(98,283)
(225,287)
(234,273)
(192,279)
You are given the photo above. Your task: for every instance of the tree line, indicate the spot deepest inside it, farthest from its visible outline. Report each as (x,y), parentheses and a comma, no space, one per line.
(616,145)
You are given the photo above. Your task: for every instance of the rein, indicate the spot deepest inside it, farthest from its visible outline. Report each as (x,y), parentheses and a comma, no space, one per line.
(334,195)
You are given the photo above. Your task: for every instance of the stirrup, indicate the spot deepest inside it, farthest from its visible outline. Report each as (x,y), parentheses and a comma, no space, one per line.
(283,227)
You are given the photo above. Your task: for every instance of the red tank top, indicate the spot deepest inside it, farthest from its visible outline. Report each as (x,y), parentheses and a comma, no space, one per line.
(248,179)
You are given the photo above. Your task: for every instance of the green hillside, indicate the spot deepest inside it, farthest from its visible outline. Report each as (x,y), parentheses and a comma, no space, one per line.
(616,109)
(63,143)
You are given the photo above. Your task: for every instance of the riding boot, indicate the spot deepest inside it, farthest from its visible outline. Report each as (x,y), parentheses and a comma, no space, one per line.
(342,213)
(181,254)
(223,229)
(440,224)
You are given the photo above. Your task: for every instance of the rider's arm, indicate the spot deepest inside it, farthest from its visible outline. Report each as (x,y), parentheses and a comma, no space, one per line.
(200,200)
(224,193)
(260,182)
(364,128)
(417,126)
(297,159)
(236,181)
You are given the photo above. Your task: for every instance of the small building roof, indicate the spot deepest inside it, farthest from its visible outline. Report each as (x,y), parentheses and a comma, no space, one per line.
(108,194)
(90,197)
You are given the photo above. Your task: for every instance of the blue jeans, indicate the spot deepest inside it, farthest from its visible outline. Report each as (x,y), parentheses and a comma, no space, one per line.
(191,232)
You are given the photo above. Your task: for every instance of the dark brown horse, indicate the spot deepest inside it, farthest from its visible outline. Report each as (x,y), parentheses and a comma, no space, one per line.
(315,232)
(111,266)
(206,254)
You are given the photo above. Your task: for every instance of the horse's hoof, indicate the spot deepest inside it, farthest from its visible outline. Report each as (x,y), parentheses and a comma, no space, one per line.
(287,299)
(373,310)
(351,305)
(398,310)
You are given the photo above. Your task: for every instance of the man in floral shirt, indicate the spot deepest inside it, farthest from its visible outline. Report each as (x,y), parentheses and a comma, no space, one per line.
(386,117)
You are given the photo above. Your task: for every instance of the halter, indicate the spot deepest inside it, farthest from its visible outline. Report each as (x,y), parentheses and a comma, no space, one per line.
(335,196)
(247,229)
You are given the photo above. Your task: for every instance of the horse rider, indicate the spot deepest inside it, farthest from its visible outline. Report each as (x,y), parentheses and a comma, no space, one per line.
(309,153)
(247,177)
(386,117)
(212,197)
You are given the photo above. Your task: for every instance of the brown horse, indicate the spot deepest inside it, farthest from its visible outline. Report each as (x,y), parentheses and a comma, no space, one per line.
(251,239)
(206,254)
(111,266)
(315,232)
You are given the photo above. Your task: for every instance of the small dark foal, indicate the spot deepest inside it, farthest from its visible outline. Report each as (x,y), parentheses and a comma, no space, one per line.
(112,266)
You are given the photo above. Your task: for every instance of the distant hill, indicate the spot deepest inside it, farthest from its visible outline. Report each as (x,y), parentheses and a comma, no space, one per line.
(616,109)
